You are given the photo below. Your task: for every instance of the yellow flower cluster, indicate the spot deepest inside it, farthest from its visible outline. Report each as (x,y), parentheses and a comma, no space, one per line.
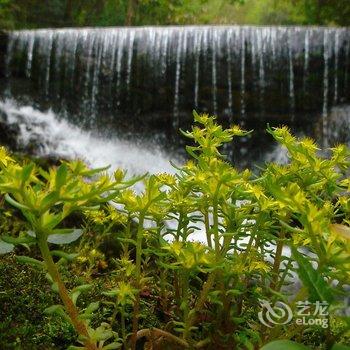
(5,158)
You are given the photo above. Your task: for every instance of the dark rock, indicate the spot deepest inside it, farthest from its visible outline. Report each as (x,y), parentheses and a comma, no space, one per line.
(337,123)
(8,133)
(3,46)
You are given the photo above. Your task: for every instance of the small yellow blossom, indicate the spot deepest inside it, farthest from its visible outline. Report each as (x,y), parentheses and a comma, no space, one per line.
(119,175)
(5,158)
(82,259)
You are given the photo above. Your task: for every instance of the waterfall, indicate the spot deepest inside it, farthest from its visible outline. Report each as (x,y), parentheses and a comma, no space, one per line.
(197,45)
(306,58)
(242,92)
(59,138)
(133,74)
(291,76)
(229,73)
(215,41)
(336,60)
(177,80)
(326,55)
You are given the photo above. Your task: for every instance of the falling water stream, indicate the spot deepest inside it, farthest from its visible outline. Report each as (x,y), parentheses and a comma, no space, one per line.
(150,78)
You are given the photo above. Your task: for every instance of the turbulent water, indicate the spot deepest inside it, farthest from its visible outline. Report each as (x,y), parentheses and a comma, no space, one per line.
(56,137)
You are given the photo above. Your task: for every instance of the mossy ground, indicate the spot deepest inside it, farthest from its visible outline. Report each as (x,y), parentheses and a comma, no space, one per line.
(24,296)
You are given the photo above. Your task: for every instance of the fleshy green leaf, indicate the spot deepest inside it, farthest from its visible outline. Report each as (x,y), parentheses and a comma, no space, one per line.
(284,345)
(18,240)
(65,238)
(112,346)
(6,247)
(56,310)
(61,176)
(340,347)
(27,171)
(64,255)
(78,290)
(30,261)
(317,287)
(14,203)
(50,199)
(92,308)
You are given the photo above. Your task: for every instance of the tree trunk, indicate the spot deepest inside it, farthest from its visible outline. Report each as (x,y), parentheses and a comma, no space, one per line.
(131,11)
(68,11)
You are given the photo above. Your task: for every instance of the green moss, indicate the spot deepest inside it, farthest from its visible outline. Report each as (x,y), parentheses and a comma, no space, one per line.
(24,295)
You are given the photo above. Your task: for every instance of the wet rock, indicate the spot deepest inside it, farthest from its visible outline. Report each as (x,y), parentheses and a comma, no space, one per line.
(20,136)
(337,124)
(3,46)
(9,133)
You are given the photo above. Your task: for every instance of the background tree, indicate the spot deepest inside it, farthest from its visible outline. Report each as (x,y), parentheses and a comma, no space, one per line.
(58,13)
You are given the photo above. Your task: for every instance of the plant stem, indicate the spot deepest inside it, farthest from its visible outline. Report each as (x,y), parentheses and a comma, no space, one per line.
(150,333)
(216,229)
(63,292)
(163,294)
(185,287)
(277,262)
(207,227)
(179,227)
(136,316)
(122,319)
(203,296)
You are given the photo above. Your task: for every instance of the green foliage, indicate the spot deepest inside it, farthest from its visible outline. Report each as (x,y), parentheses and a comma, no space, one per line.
(165,287)
(283,344)
(317,287)
(59,13)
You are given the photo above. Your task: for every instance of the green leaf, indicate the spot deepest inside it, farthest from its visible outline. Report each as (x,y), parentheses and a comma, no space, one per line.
(92,308)
(284,345)
(30,261)
(56,310)
(82,288)
(65,238)
(6,247)
(54,287)
(112,346)
(64,255)
(75,295)
(18,240)
(52,309)
(78,290)
(49,220)
(317,287)
(14,203)
(50,199)
(111,293)
(340,347)
(127,240)
(27,171)
(92,172)
(61,176)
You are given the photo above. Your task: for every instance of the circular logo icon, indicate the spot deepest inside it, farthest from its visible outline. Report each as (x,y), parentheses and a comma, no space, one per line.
(270,315)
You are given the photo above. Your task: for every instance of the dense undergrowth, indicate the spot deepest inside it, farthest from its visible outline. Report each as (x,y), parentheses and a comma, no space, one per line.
(92,263)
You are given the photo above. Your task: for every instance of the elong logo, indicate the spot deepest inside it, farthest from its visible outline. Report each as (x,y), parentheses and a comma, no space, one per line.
(280,313)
